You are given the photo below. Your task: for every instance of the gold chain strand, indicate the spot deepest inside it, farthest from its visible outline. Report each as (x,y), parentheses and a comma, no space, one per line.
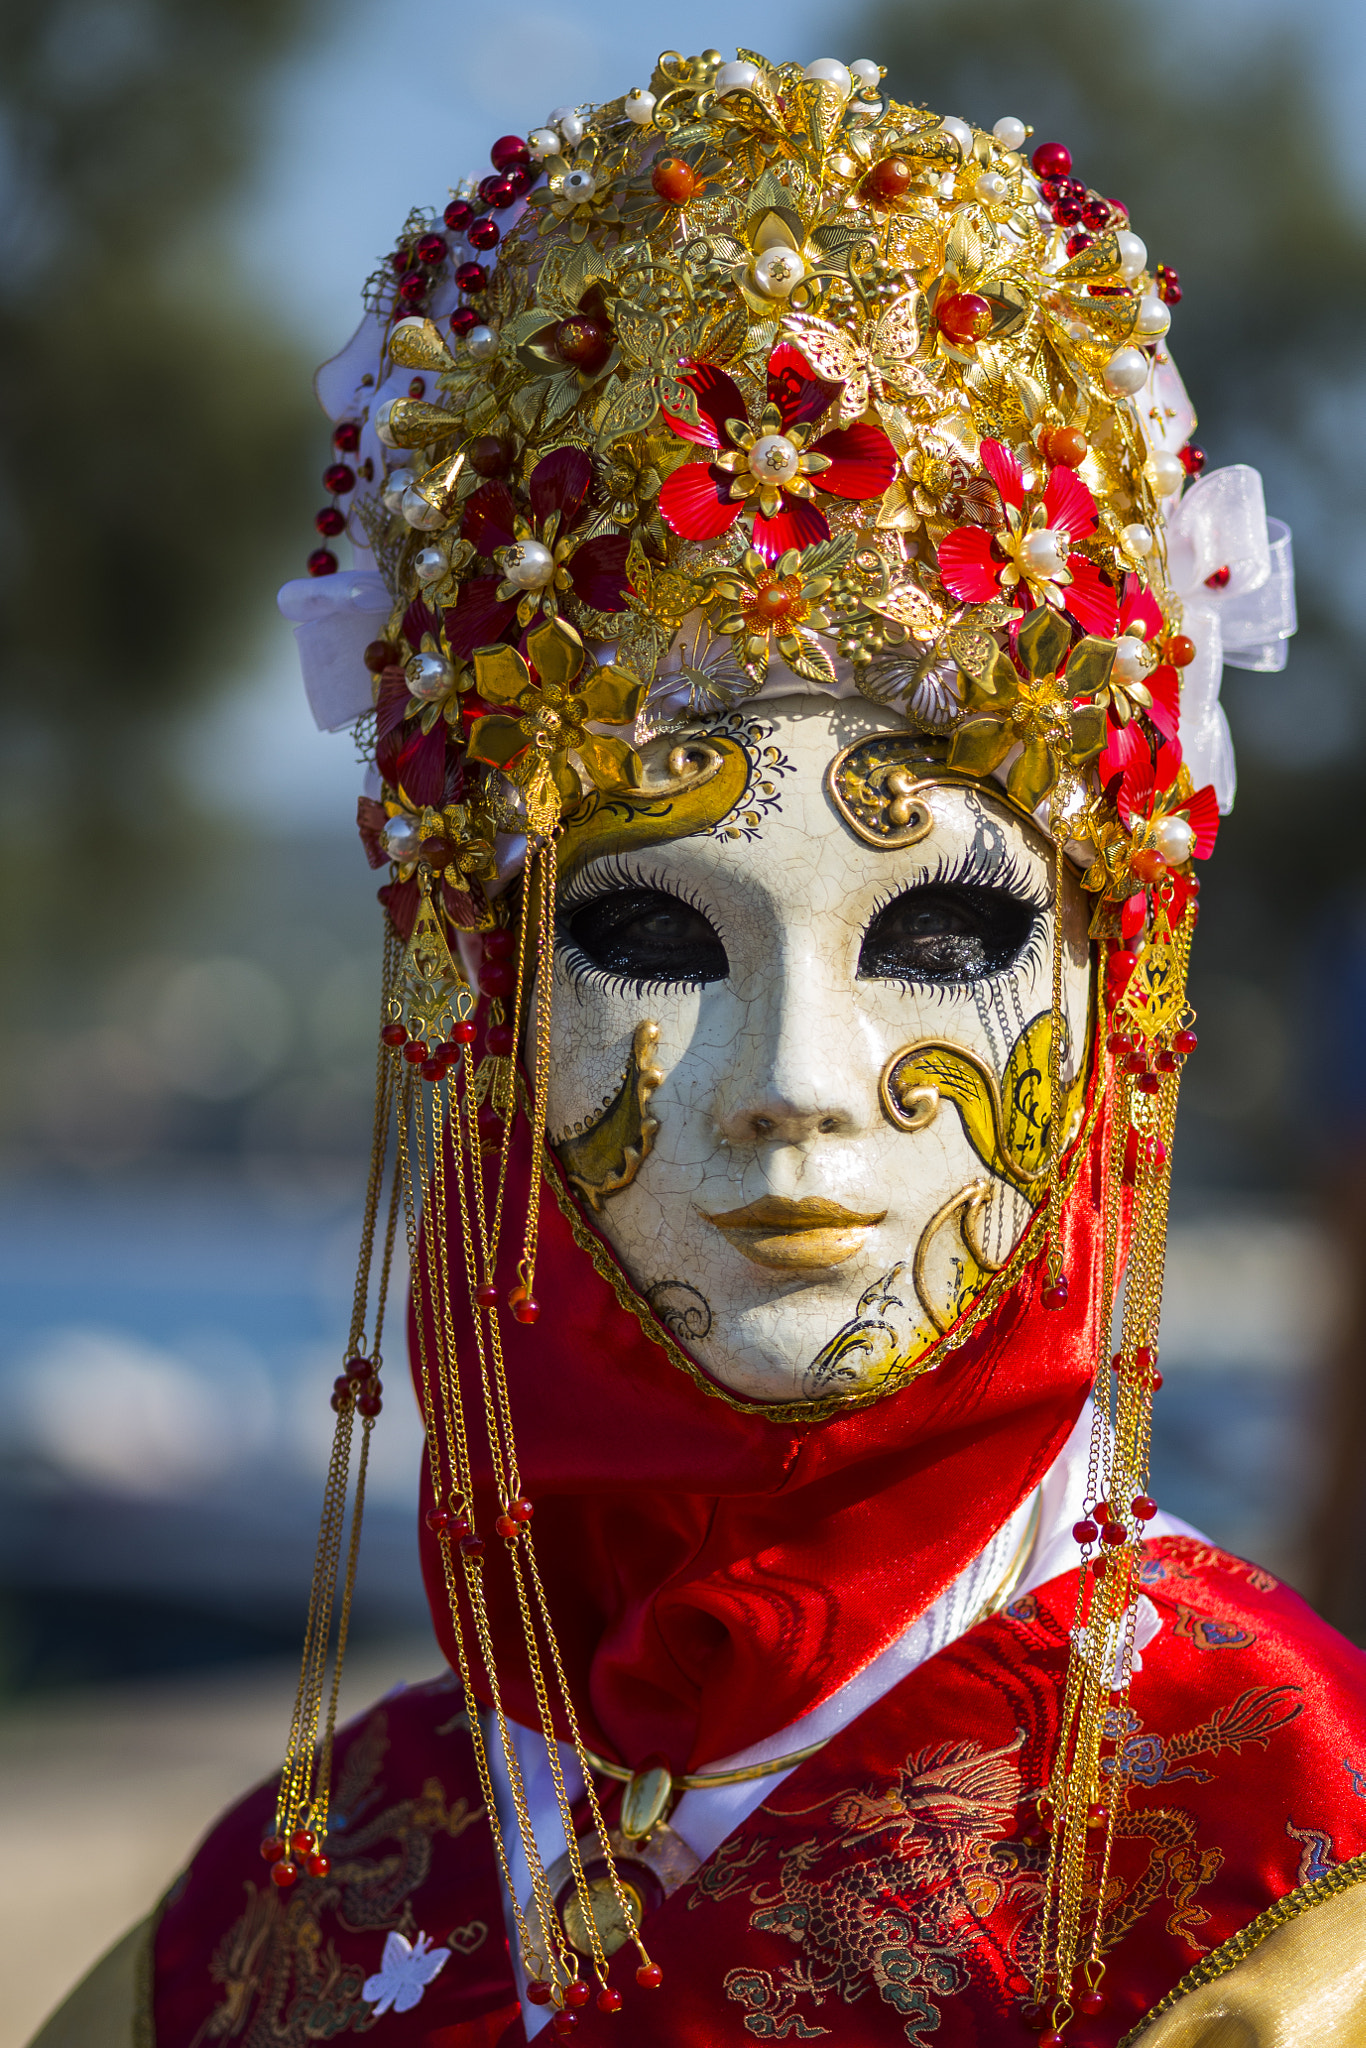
(544,935)
(321,1790)
(1056,1027)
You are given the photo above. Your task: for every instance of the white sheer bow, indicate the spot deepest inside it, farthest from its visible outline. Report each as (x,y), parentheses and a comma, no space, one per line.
(335,619)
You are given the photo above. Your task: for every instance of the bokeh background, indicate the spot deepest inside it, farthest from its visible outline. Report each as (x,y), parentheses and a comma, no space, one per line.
(190,193)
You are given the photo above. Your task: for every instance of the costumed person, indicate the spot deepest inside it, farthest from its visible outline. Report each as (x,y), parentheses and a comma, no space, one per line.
(786,626)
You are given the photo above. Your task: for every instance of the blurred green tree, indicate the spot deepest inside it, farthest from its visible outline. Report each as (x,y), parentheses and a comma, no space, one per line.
(155,424)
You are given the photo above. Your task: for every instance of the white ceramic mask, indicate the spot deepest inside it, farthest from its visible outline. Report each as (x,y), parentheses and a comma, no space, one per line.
(802,1207)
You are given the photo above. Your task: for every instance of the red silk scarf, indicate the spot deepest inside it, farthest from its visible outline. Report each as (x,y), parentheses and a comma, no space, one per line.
(714,1573)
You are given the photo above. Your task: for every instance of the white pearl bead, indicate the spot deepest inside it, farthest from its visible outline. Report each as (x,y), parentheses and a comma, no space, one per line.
(1126,372)
(1174,839)
(429,677)
(1138,539)
(380,423)
(736,77)
(1133,254)
(1075,330)
(640,107)
(829,71)
(959,132)
(393,487)
(1130,661)
(778,272)
(527,564)
(866,74)
(419,511)
(1044,553)
(1009,132)
(579,185)
(430,565)
(571,126)
(991,188)
(481,342)
(543,142)
(774,459)
(1154,318)
(402,838)
(1168,472)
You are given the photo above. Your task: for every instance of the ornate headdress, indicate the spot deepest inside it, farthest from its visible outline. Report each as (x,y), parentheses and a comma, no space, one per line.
(757,381)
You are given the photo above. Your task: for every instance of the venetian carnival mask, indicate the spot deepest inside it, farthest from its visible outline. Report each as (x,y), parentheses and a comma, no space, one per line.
(785,636)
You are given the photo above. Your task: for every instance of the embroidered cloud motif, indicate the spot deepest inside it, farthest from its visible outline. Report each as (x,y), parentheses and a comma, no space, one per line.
(405,1971)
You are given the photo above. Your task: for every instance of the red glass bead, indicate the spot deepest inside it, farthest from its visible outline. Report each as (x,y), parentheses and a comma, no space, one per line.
(496,192)
(509,150)
(304,1842)
(330,521)
(402,261)
(359,1368)
(1137,1063)
(1055,1293)
(498,1039)
(1112,1534)
(887,182)
(473,1546)
(319,1865)
(674,181)
(1168,284)
(346,436)
(1121,963)
(1095,213)
(432,1070)
(1085,1531)
(521,178)
(1052,160)
(1193,458)
(505,1526)
(490,454)
(527,1310)
(380,654)
(1034,2015)
(438,1519)
(609,2000)
(1219,580)
(336,1401)
(538,1992)
(1097,1813)
(1179,650)
(483,233)
(1155,1381)
(1148,1084)
(1120,1041)
(463,320)
(460,1528)
(1066,212)
(1157,1152)
(339,477)
(284,1873)
(394,1034)
(486,1295)
(521,1511)
(415,1052)
(576,1992)
(341,1385)
(1143,1507)
(370,1404)
(412,289)
(1185,1043)
(498,944)
(471,277)
(457,217)
(490,1127)
(1166,1063)
(964,317)
(272,1849)
(496,979)
(586,344)
(1144,1357)
(650,1976)
(464,1031)
(1054,2038)
(1090,2003)
(448,1052)
(564,2023)
(322,562)
(1077,242)
(432,249)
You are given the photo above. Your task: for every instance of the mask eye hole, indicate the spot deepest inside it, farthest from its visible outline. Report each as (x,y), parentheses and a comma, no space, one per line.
(646,935)
(947,932)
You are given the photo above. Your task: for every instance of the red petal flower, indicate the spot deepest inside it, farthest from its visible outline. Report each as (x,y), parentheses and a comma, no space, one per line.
(695,503)
(1138,607)
(795,389)
(478,617)
(559,483)
(1124,746)
(401,900)
(1133,915)
(799,524)
(1168,765)
(490,518)
(718,400)
(391,731)
(862,462)
(371,819)
(1068,505)
(968,568)
(1005,472)
(422,765)
(1165,688)
(417,620)
(1089,598)
(1203,813)
(597,571)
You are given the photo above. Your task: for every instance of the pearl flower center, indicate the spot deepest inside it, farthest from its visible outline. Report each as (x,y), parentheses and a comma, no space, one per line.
(774,459)
(527,564)
(1044,553)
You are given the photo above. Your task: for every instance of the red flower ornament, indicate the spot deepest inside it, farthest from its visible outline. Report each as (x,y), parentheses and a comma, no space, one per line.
(1030,556)
(768,462)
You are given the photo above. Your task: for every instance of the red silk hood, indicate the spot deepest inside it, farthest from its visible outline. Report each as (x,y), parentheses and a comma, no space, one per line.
(714,1573)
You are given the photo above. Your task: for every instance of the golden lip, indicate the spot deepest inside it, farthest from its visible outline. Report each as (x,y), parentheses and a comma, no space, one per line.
(775,1231)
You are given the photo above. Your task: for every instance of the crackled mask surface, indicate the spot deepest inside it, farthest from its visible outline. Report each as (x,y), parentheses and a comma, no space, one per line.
(800,1051)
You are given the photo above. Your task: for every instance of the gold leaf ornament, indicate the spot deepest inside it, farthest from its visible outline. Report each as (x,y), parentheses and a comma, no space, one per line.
(542,740)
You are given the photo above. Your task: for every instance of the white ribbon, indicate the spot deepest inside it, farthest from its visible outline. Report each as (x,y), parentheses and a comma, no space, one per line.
(336,617)
(1221,523)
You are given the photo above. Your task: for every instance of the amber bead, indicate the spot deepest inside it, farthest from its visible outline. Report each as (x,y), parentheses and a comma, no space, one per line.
(521,1511)
(964,317)
(650,1976)
(490,454)
(584,344)
(1067,447)
(527,1309)
(505,1526)
(304,1842)
(887,182)
(284,1873)
(674,181)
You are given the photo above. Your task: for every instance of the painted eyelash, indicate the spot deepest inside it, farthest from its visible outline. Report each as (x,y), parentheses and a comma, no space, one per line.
(972,869)
(614,871)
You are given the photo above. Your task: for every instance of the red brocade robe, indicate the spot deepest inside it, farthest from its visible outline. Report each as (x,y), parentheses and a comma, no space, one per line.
(885,1892)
